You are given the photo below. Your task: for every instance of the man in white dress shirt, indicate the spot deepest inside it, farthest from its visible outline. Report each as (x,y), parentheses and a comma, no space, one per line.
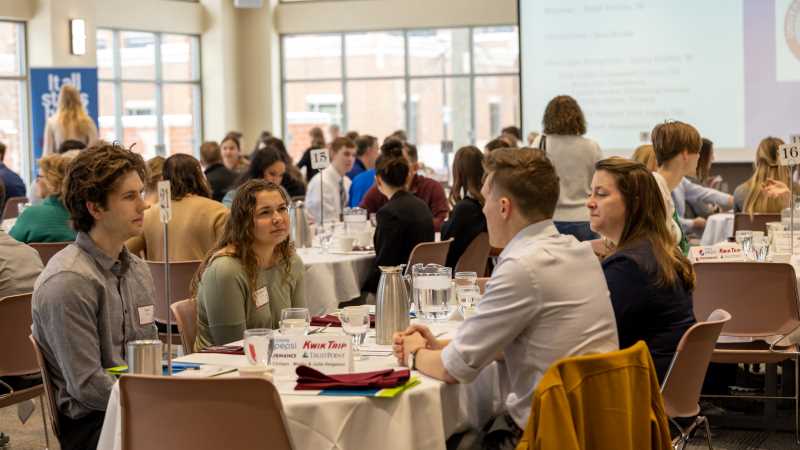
(547,298)
(333,183)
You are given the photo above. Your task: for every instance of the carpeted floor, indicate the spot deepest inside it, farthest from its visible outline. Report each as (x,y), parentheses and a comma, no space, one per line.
(31,436)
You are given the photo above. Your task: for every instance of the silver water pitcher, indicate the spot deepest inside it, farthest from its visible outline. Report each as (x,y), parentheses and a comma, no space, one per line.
(301,232)
(392,303)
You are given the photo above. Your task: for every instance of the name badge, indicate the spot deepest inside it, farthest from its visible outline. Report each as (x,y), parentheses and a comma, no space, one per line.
(262,297)
(328,354)
(146,314)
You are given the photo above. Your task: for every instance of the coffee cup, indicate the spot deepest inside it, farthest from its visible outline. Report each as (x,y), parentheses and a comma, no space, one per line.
(343,244)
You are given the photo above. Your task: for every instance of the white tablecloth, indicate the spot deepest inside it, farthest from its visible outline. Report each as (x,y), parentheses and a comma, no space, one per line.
(420,418)
(333,278)
(718,228)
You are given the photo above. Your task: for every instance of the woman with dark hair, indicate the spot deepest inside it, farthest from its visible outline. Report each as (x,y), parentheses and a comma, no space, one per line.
(573,157)
(466,218)
(293,180)
(253,272)
(232,154)
(196,223)
(402,223)
(649,279)
(265,164)
(317,141)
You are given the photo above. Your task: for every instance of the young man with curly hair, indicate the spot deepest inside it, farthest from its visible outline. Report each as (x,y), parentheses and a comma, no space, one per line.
(94,296)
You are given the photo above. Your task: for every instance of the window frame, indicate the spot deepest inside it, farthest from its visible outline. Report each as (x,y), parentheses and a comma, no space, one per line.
(159,82)
(406,77)
(23,83)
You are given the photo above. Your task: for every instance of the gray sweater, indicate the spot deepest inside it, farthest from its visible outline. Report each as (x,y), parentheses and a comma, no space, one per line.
(574,158)
(86,308)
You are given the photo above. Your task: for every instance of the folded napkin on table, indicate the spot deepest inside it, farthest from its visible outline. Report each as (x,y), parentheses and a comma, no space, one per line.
(224,349)
(321,321)
(311,379)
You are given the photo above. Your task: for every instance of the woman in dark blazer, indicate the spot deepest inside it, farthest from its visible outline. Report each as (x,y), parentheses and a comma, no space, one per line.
(402,223)
(466,219)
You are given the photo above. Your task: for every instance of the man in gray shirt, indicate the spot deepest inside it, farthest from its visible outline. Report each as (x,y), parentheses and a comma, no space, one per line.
(94,296)
(547,298)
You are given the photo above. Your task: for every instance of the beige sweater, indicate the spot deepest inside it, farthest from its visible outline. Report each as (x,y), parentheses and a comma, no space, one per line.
(196,224)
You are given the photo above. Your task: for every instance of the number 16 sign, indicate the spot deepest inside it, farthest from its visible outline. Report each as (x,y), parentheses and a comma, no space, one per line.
(789,154)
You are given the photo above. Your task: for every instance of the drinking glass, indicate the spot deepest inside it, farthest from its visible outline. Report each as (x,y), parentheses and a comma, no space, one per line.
(745,239)
(431,291)
(468,298)
(258,346)
(355,322)
(760,247)
(295,320)
(465,279)
(326,233)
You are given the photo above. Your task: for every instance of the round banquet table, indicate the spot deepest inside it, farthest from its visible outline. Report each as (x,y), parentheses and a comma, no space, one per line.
(422,417)
(333,278)
(718,228)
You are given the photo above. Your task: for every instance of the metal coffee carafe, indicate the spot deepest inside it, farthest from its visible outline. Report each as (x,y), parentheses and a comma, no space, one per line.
(392,302)
(301,232)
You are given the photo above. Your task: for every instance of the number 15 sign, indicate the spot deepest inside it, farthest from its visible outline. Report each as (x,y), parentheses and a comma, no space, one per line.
(789,154)
(319,159)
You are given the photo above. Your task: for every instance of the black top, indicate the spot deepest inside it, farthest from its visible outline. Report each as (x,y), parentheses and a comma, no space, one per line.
(465,223)
(305,161)
(658,315)
(220,179)
(403,222)
(293,187)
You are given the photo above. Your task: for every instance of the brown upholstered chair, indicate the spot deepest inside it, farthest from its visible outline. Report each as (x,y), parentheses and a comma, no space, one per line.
(185,312)
(429,253)
(48,249)
(11,208)
(181,274)
(201,414)
(756,222)
(475,257)
(49,393)
(16,356)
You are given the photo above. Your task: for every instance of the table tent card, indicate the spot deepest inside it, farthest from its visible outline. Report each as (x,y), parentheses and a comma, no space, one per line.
(723,252)
(326,353)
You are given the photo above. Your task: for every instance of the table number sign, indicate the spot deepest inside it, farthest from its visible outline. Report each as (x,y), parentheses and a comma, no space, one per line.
(319,159)
(789,154)
(328,354)
(165,201)
(716,253)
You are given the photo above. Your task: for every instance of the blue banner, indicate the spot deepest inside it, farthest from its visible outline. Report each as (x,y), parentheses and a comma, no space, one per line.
(45,85)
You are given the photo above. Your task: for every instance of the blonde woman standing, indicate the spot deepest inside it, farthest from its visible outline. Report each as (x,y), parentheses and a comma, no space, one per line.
(69,122)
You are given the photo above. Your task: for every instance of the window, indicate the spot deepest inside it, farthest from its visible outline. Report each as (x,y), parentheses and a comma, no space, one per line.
(150,95)
(13,97)
(451,84)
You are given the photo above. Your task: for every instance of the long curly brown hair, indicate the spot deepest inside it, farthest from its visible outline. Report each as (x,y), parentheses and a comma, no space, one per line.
(237,238)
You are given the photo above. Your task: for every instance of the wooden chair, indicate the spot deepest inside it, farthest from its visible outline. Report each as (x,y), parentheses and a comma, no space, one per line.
(429,253)
(482,284)
(756,222)
(762,300)
(48,249)
(47,383)
(476,256)
(16,355)
(681,388)
(185,312)
(11,209)
(181,274)
(201,414)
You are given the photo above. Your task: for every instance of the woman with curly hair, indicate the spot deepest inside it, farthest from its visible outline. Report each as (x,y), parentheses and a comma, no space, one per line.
(253,272)
(574,157)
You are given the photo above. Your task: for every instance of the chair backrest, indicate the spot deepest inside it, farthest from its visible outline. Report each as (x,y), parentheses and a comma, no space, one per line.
(16,357)
(760,297)
(476,256)
(429,253)
(185,312)
(482,284)
(201,413)
(49,392)
(11,208)
(681,388)
(758,221)
(181,274)
(48,249)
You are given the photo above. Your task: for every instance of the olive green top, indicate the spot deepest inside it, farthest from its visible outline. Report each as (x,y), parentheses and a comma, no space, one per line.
(226,306)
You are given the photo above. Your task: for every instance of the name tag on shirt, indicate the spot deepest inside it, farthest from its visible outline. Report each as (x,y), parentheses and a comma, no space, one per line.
(262,297)
(146,314)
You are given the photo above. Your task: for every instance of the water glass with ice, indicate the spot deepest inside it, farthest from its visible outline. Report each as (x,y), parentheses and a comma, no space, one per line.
(745,239)
(295,321)
(258,346)
(355,323)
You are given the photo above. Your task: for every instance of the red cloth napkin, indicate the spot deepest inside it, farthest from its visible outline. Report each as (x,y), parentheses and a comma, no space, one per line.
(224,349)
(321,321)
(309,379)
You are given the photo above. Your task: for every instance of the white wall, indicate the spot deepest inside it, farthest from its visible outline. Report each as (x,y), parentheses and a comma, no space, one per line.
(239,47)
